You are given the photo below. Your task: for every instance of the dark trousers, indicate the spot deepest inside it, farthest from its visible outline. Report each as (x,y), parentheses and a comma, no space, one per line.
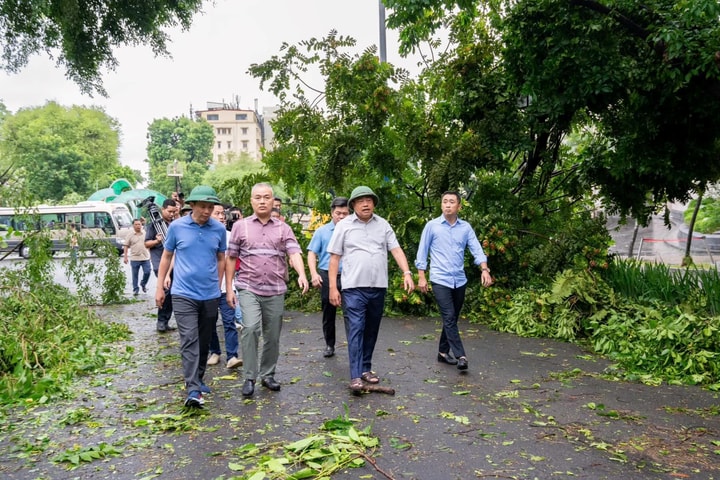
(329,311)
(195,320)
(363,308)
(165,312)
(450,302)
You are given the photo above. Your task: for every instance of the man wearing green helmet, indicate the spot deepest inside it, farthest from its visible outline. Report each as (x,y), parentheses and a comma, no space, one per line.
(363,240)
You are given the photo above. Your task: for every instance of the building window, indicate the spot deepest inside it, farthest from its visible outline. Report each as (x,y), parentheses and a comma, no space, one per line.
(213,116)
(224,131)
(219,145)
(244,131)
(241,116)
(229,144)
(245,145)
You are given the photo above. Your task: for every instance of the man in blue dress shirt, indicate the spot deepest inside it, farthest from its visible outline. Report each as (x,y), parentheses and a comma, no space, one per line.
(319,263)
(445,239)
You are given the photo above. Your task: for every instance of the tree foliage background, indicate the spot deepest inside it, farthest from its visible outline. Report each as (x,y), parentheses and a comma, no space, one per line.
(183,140)
(638,81)
(538,111)
(54,151)
(81,36)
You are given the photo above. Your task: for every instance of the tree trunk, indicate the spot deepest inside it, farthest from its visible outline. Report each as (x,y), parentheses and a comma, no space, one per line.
(691,227)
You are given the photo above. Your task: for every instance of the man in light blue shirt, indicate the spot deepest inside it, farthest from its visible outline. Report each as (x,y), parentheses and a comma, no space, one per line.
(445,239)
(319,262)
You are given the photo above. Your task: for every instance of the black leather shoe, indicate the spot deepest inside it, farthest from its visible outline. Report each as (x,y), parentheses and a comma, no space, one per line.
(462,363)
(446,359)
(329,352)
(248,388)
(271,384)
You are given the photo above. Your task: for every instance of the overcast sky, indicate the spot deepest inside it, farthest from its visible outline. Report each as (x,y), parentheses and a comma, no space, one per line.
(144,87)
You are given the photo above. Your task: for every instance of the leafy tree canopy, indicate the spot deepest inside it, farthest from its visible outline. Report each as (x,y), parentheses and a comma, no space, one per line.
(56,150)
(189,142)
(230,172)
(640,82)
(81,35)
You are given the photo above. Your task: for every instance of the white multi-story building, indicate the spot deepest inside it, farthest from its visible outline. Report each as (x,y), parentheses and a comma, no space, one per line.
(238,132)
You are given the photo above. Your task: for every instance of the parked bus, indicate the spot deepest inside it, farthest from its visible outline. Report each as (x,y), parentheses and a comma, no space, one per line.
(87,220)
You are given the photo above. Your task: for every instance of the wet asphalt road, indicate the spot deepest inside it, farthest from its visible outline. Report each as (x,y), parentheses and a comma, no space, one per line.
(526,409)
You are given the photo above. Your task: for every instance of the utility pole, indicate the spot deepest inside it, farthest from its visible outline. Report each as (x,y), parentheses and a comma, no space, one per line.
(383,43)
(175,169)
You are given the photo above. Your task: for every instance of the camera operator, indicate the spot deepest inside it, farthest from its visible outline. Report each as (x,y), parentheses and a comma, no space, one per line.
(233,214)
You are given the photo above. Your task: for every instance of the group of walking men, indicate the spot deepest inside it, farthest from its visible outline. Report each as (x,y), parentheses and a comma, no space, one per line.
(347,259)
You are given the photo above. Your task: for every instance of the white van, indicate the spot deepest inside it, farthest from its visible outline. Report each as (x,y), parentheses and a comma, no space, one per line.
(98,220)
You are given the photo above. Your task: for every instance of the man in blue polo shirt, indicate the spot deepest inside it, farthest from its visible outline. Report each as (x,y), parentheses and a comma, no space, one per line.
(319,262)
(197,243)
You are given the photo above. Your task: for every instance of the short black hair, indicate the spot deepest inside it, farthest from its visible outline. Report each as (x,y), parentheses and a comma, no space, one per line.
(338,202)
(452,192)
(169,202)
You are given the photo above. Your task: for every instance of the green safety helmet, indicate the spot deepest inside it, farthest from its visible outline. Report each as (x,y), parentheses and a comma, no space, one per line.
(363,191)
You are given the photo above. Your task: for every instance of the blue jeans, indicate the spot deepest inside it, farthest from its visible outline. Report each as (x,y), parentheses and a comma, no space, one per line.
(195,320)
(231,335)
(135,266)
(363,309)
(450,302)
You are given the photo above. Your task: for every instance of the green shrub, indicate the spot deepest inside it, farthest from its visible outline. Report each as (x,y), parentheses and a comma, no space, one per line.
(651,334)
(47,337)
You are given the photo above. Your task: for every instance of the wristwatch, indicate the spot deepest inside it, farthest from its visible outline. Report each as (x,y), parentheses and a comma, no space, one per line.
(486,269)
(407,273)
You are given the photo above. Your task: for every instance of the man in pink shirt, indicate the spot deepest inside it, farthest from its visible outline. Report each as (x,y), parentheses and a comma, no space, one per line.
(264,245)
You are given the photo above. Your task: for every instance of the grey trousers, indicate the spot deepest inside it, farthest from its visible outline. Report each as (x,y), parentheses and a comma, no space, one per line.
(261,315)
(195,320)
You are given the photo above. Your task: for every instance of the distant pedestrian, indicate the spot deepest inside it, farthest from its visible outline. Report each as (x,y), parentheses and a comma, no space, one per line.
(227,313)
(362,240)
(135,251)
(275,213)
(445,239)
(264,246)
(179,198)
(277,205)
(318,264)
(195,244)
(154,239)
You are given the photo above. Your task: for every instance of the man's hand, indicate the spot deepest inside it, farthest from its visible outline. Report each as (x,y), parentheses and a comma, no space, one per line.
(409,283)
(303,284)
(335,297)
(159,295)
(316,280)
(231,298)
